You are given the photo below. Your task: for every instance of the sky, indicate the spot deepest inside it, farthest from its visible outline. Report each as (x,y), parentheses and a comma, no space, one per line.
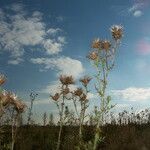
(39,40)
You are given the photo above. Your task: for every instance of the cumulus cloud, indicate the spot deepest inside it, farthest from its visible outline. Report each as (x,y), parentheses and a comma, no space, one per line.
(52,46)
(64,65)
(138,13)
(132,94)
(20,30)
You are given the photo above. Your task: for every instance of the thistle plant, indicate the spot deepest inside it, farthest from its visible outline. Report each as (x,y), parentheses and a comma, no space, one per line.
(2,81)
(10,100)
(32,98)
(103,59)
(80,96)
(59,99)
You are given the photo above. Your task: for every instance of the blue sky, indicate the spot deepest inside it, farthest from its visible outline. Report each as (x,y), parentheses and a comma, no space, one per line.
(42,39)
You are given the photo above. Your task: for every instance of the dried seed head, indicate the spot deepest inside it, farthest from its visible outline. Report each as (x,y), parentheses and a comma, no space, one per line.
(66,80)
(19,106)
(96,44)
(4,99)
(117,32)
(12,96)
(106,45)
(2,79)
(83,97)
(78,92)
(93,55)
(9,98)
(55,97)
(85,80)
(65,91)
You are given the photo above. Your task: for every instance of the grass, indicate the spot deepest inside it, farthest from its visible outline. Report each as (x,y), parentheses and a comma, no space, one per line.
(117,137)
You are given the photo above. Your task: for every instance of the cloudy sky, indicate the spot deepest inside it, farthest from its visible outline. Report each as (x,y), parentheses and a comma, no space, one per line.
(41,39)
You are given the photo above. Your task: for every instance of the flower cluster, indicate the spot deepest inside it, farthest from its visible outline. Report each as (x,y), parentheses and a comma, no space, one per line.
(105,45)
(10,99)
(65,81)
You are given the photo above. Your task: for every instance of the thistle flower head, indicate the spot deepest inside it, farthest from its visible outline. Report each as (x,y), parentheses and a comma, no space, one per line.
(8,98)
(96,43)
(106,45)
(93,55)
(19,106)
(66,80)
(13,96)
(65,91)
(117,32)
(78,92)
(83,97)
(2,79)
(55,97)
(4,99)
(85,80)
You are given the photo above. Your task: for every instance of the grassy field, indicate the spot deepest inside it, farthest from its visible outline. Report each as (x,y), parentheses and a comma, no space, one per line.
(117,137)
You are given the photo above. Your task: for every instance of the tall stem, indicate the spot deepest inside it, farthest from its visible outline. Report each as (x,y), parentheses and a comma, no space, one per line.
(61,121)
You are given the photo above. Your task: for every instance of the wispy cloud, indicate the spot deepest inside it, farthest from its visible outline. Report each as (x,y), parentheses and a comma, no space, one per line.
(136,9)
(132,94)
(21,30)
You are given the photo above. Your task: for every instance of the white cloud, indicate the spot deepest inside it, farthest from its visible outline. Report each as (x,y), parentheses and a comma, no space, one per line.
(92,96)
(132,94)
(137,13)
(15,61)
(42,101)
(53,46)
(64,65)
(53,31)
(20,30)
(121,106)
